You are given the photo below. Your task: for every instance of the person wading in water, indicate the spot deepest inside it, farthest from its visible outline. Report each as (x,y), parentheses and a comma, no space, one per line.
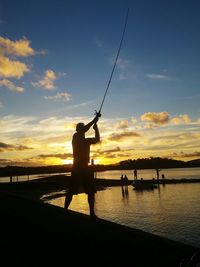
(82,176)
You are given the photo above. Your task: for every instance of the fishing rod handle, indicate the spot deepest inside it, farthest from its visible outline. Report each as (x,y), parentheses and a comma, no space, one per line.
(97,113)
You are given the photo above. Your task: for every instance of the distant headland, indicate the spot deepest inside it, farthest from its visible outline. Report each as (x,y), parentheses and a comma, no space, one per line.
(141,163)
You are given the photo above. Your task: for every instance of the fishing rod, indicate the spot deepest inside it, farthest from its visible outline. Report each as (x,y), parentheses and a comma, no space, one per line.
(115,63)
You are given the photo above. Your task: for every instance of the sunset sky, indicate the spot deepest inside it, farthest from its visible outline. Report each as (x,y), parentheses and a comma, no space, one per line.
(55,62)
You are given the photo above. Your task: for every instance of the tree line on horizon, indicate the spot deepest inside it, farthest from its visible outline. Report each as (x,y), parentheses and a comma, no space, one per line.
(141,163)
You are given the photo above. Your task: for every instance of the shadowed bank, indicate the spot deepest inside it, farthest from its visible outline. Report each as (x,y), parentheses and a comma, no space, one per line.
(38,234)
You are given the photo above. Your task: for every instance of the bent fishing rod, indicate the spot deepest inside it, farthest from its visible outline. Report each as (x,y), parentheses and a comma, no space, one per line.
(115,63)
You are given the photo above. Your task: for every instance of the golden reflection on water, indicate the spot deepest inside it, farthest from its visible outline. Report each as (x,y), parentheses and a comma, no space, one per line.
(172,210)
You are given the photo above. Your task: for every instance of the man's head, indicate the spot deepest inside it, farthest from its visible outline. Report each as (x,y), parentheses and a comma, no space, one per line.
(80,127)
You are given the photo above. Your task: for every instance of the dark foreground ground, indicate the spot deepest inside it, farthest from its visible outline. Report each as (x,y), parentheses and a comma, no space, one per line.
(38,234)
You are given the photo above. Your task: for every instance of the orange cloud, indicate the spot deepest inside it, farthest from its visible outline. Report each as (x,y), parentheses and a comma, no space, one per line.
(12,68)
(56,155)
(195,154)
(113,153)
(17,48)
(48,81)
(156,118)
(8,147)
(123,135)
(133,120)
(181,119)
(123,124)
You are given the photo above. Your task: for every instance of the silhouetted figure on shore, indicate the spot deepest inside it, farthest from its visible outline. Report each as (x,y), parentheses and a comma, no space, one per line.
(163,176)
(135,174)
(122,180)
(125,180)
(158,173)
(82,176)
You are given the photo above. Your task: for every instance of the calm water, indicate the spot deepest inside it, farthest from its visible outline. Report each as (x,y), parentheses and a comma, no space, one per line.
(172,211)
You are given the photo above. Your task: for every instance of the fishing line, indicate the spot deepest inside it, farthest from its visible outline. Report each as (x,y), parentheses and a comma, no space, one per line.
(115,63)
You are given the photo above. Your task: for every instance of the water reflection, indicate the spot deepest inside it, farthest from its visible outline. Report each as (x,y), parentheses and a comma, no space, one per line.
(171,211)
(125,193)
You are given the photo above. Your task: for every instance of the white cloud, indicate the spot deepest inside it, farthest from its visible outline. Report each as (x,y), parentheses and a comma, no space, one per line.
(59,96)
(158,77)
(62,74)
(123,76)
(48,81)
(10,86)
(123,63)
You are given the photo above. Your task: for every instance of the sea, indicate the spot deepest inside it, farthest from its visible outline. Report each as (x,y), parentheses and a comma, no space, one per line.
(171,210)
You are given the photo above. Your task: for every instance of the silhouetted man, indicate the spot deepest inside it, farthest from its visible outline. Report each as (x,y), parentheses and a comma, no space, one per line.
(135,174)
(82,175)
(158,173)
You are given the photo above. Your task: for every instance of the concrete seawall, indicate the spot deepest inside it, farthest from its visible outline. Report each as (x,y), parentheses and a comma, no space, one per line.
(38,234)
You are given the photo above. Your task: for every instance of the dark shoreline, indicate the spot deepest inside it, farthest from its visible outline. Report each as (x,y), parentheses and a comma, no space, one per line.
(39,234)
(142,163)
(61,181)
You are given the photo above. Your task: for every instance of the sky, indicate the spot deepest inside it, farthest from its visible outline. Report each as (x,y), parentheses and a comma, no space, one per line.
(56,59)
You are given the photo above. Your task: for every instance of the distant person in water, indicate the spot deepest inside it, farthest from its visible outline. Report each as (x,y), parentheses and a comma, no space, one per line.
(158,173)
(163,176)
(135,174)
(122,179)
(125,180)
(82,176)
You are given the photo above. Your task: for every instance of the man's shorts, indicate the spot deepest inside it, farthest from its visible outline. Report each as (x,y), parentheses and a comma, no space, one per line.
(82,180)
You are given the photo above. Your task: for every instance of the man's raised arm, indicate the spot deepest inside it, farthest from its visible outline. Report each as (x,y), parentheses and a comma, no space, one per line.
(97,135)
(94,121)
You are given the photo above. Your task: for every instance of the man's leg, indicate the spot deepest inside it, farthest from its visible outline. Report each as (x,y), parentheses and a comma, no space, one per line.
(91,200)
(68,199)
